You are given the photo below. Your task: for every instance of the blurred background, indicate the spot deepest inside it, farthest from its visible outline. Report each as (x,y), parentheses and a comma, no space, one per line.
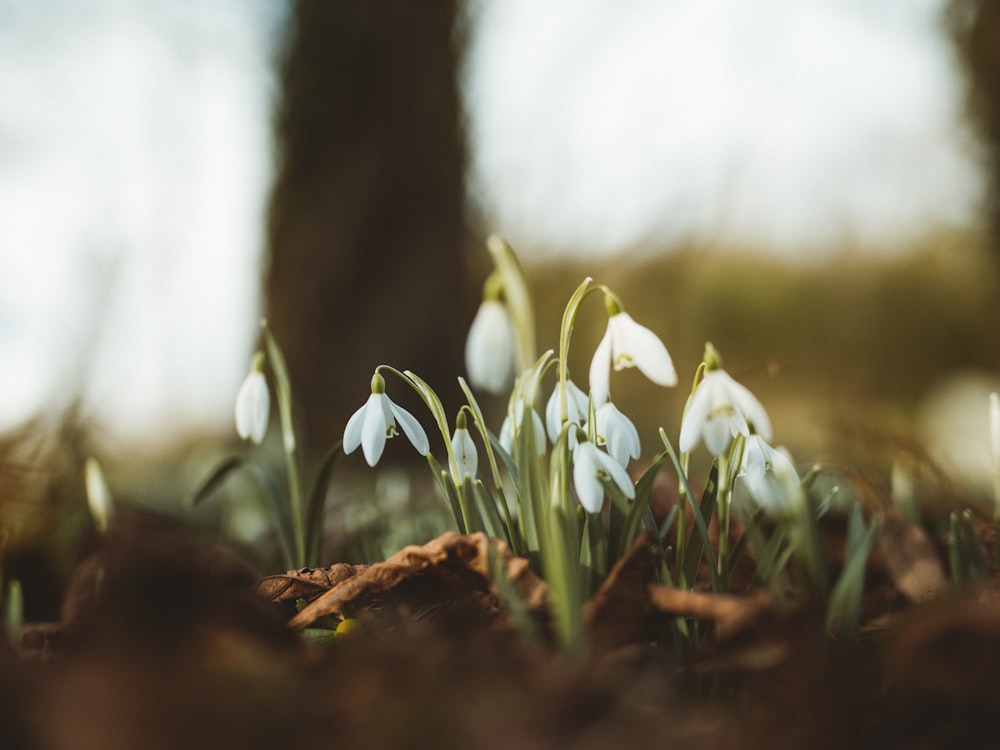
(812,187)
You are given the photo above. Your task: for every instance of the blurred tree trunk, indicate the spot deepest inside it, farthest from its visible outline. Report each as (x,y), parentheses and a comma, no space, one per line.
(366,225)
(975,27)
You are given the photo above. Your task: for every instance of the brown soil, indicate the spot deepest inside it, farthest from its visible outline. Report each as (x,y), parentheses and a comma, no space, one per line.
(164,643)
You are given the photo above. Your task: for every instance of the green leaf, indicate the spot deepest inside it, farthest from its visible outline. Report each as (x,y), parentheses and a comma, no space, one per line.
(447,487)
(701,544)
(214,480)
(843,615)
(317,503)
(283,383)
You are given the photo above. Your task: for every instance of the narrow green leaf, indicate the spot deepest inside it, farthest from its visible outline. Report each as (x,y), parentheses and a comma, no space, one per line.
(317,503)
(447,487)
(215,479)
(691,562)
(843,617)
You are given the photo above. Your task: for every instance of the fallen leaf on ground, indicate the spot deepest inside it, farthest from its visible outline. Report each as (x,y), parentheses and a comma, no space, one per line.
(454,566)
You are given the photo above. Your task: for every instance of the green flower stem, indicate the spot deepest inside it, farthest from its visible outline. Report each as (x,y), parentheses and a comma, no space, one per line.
(434,405)
(683,489)
(560,550)
(699,521)
(725,498)
(284,389)
(477,415)
(519,304)
(682,495)
(565,332)
(464,491)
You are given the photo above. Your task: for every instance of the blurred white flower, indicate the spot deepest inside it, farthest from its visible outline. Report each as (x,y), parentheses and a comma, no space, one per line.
(770,477)
(99,499)
(253,406)
(618,434)
(591,468)
(719,409)
(510,428)
(375,421)
(995,432)
(576,409)
(489,349)
(466,455)
(628,344)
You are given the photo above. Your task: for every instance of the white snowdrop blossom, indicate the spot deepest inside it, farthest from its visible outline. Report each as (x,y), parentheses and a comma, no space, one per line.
(719,409)
(489,349)
(375,422)
(770,477)
(994,400)
(510,428)
(99,499)
(618,434)
(576,409)
(628,344)
(591,468)
(253,407)
(466,455)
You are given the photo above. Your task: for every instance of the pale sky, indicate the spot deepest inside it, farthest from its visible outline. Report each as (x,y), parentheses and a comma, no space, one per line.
(135,162)
(788,125)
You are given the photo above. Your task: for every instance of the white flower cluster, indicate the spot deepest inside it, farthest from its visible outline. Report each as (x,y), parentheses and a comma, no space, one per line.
(602,439)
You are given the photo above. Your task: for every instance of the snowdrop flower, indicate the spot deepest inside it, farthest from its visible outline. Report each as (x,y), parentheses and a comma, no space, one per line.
(628,344)
(99,499)
(994,400)
(375,421)
(576,409)
(489,348)
(253,403)
(618,434)
(510,428)
(592,467)
(770,477)
(466,456)
(719,409)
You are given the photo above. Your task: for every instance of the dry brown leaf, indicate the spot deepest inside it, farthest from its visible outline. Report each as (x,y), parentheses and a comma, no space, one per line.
(910,559)
(307,583)
(731,613)
(452,566)
(948,647)
(620,612)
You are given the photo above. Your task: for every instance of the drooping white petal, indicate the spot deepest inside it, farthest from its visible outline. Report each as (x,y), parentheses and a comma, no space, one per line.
(695,415)
(994,401)
(770,478)
(619,434)
(591,467)
(576,409)
(719,429)
(489,349)
(99,498)
(509,429)
(617,473)
(411,427)
(466,455)
(600,369)
(253,407)
(718,411)
(634,345)
(377,426)
(586,479)
(751,408)
(352,432)
(507,435)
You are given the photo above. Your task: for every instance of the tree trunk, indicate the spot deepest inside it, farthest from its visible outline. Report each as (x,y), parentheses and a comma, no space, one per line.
(366,225)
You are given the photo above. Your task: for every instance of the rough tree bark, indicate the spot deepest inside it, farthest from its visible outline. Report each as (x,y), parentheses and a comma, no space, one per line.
(366,225)
(975,27)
